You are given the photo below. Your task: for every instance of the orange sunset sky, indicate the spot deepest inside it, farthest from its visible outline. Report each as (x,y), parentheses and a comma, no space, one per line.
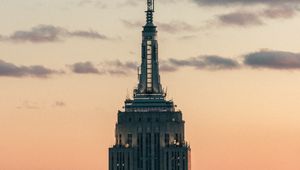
(231,66)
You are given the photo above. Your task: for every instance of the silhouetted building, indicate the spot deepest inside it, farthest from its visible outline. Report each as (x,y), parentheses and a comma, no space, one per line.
(150,131)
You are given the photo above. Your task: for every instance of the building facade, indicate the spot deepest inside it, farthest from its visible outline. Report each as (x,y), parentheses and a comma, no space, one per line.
(149,132)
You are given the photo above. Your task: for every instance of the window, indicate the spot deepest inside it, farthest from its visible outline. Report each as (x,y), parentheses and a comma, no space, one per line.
(176,137)
(140,150)
(167,139)
(129,139)
(149,66)
(120,139)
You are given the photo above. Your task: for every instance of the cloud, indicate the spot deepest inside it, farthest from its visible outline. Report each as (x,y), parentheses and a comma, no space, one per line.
(246,2)
(59,104)
(118,67)
(256,18)
(135,3)
(206,62)
(171,27)
(50,33)
(187,37)
(132,3)
(273,60)
(11,70)
(240,18)
(96,3)
(130,24)
(85,68)
(115,67)
(166,67)
(87,34)
(28,105)
(117,64)
(279,12)
(176,26)
(41,33)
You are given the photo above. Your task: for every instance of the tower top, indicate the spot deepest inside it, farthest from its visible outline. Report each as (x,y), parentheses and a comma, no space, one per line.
(150,5)
(149,12)
(149,79)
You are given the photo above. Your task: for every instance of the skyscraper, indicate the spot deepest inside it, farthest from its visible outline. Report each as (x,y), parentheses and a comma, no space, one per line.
(149,131)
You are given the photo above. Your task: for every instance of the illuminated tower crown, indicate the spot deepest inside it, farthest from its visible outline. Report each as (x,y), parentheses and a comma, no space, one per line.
(149,79)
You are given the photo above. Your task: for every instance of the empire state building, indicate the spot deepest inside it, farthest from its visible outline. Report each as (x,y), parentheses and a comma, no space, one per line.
(149,131)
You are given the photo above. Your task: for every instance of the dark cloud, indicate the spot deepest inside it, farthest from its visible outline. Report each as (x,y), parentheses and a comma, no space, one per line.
(273,60)
(240,19)
(11,70)
(171,65)
(49,33)
(115,67)
(41,33)
(245,2)
(85,68)
(206,62)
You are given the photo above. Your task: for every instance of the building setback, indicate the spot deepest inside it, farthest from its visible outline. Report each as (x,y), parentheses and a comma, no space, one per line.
(150,131)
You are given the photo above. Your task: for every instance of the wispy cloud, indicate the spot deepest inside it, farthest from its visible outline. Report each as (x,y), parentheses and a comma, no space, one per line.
(246,2)
(240,18)
(176,26)
(59,104)
(246,18)
(50,33)
(117,67)
(28,105)
(282,11)
(170,27)
(95,3)
(11,70)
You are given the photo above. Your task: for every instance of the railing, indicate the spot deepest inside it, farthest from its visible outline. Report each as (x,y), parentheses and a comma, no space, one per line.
(149,109)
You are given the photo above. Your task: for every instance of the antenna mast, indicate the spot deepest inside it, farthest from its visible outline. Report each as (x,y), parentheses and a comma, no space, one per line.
(150,10)
(150,4)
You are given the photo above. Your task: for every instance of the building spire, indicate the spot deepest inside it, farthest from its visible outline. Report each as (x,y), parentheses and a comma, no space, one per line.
(150,10)
(149,79)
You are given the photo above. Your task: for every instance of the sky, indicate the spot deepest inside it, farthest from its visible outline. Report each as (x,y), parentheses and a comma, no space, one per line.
(231,66)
